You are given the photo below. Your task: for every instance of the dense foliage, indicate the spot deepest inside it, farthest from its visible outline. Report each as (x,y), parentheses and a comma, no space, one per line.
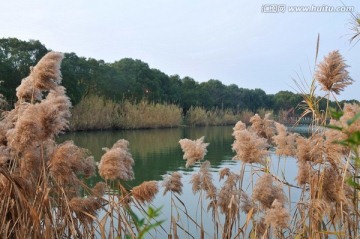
(133,80)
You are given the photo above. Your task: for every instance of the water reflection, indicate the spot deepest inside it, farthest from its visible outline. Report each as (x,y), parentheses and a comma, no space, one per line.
(157,151)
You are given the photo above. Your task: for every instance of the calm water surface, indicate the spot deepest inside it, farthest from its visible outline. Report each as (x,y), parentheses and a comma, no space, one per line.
(157,152)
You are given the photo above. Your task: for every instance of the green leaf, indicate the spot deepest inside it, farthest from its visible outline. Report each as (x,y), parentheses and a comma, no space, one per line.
(330,126)
(351,121)
(336,114)
(352,183)
(354,138)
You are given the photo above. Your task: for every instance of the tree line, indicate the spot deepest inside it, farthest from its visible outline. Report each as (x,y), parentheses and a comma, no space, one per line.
(133,80)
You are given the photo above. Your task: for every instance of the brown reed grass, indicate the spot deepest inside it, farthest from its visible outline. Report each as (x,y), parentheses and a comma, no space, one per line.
(95,112)
(145,192)
(172,183)
(285,142)
(332,74)
(117,162)
(266,192)
(249,147)
(277,216)
(194,150)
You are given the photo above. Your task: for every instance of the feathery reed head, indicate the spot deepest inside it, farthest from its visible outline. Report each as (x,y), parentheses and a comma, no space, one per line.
(332,74)
(117,162)
(194,150)
(44,76)
(85,208)
(266,192)
(47,73)
(99,189)
(173,183)
(27,91)
(224,172)
(229,194)
(203,181)
(263,127)
(350,110)
(249,147)
(285,142)
(239,126)
(145,192)
(277,216)
(69,160)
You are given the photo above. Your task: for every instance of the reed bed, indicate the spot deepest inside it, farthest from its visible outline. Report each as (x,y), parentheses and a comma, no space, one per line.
(97,113)
(43,194)
(198,116)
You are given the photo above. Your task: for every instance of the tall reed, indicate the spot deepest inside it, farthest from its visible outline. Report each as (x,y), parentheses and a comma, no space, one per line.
(95,112)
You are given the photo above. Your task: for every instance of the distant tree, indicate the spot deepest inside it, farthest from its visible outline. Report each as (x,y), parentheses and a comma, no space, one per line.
(140,81)
(134,80)
(190,94)
(16,57)
(285,100)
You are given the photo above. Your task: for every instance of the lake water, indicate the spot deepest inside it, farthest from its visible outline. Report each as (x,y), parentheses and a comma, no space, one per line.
(157,152)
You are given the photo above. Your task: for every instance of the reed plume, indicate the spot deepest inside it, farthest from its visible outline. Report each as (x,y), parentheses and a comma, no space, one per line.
(335,191)
(117,162)
(303,149)
(249,147)
(264,128)
(277,216)
(27,92)
(145,192)
(334,151)
(266,192)
(203,180)
(303,174)
(350,111)
(44,76)
(173,183)
(229,195)
(69,161)
(85,209)
(332,73)
(41,121)
(239,126)
(224,172)
(194,150)
(285,142)
(318,208)
(99,189)
(229,203)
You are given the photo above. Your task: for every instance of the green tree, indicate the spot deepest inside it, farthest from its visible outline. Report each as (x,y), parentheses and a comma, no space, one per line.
(16,57)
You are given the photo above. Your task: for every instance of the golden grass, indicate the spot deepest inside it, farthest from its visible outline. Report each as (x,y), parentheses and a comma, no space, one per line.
(95,112)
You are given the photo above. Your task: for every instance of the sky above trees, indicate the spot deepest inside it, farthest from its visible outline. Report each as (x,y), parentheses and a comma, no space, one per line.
(233,41)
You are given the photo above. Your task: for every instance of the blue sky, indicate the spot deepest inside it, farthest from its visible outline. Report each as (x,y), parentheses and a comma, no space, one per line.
(232,41)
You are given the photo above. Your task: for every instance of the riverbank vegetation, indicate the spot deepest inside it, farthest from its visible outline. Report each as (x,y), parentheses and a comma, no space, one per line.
(98,113)
(130,83)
